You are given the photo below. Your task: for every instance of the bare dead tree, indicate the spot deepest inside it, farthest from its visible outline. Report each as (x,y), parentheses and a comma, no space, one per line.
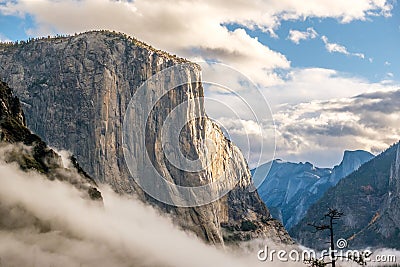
(332,215)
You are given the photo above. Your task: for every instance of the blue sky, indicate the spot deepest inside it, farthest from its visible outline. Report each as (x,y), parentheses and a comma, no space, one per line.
(350,49)
(377,37)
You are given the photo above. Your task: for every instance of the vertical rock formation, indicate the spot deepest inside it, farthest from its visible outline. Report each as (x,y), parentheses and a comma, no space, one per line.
(75,91)
(386,223)
(394,179)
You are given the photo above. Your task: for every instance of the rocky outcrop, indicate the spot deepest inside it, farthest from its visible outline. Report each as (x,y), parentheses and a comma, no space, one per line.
(19,145)
(384,227)
(290,189)
(75,91)
(369,199)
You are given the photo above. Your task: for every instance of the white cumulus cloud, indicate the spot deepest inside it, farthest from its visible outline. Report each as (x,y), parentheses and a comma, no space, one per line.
(296,36)
(308,130)
(318,114)
(337,48)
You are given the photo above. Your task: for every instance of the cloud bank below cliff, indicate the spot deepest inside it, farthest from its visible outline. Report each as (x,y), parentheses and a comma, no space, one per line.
(124,232)
(47,223)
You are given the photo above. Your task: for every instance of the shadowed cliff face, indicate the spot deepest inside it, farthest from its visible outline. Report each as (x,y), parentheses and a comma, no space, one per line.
(18,145)
(75,91)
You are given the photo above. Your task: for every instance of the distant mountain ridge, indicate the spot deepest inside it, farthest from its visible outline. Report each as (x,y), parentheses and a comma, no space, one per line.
(370,201)
(291,188)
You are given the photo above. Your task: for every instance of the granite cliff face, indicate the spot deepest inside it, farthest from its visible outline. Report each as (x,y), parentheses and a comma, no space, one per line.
(369,199)
(75,91)
(290,189)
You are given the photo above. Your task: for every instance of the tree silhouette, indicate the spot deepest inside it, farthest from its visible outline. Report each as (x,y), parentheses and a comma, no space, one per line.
(332,215)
